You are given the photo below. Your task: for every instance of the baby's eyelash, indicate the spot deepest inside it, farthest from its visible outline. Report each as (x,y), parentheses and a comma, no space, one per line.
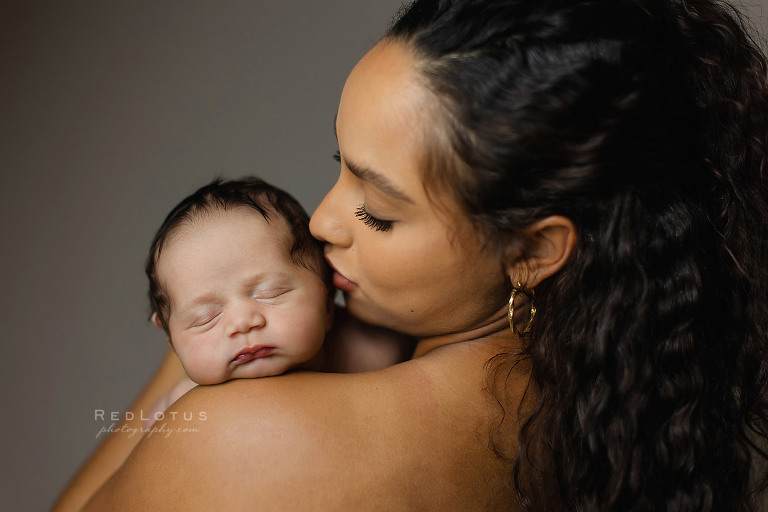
(204,320)
(337,156)
(369,220)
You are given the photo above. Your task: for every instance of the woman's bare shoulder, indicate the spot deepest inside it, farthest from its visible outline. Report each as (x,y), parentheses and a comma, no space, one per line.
(310,441)
(272,440)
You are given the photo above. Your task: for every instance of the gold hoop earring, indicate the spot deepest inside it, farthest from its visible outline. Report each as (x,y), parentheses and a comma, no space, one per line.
(530,295)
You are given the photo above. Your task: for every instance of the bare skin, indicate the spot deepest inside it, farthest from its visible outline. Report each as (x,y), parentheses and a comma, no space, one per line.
(415,436)
(116,448)
(410,437)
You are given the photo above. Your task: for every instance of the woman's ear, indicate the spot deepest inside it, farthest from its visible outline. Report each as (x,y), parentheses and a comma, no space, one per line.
(550,242)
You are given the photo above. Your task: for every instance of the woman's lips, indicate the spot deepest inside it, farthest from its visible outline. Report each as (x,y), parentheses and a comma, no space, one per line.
(251,353)
(342,283)
(339,281)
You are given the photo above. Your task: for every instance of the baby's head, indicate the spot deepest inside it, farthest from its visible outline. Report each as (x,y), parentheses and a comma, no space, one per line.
(238,283)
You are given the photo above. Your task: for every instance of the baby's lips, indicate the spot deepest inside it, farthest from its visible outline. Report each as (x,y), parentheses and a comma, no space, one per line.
(251,353)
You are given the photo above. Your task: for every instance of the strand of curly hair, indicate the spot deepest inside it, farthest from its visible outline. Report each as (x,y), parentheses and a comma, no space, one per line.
(646,123)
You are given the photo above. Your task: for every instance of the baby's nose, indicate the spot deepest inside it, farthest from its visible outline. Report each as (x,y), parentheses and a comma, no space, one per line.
(244,318)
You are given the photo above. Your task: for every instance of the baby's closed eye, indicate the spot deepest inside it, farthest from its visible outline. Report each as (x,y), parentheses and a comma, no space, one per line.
(270,295)
(205,318)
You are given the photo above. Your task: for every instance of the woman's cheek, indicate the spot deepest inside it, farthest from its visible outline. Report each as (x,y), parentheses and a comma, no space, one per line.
(398,262)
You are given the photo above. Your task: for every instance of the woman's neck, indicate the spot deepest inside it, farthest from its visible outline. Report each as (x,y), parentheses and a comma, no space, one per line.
(495,331)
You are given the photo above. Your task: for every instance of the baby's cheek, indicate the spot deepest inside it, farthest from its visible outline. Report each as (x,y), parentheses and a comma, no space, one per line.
(195,373)
(203,369)
(312,335)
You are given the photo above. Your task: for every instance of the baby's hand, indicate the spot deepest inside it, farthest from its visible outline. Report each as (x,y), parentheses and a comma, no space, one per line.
(353,346)
(165,401)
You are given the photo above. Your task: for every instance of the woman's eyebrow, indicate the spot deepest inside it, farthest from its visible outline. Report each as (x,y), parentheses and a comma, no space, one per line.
(372,177)
(377,180)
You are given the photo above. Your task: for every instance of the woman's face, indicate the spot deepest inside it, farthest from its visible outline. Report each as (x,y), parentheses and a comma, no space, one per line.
(403,260)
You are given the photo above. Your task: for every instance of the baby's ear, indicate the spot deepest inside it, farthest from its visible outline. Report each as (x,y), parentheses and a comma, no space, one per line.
(156,320)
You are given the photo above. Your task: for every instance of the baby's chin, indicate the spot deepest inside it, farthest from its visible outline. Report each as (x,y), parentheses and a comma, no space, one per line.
(262,367)
(256,368)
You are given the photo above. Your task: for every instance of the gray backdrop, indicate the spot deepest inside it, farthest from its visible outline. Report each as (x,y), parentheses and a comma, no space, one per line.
(110,113)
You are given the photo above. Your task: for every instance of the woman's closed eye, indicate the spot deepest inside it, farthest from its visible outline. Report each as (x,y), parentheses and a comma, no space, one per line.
(371,221)
(362,213)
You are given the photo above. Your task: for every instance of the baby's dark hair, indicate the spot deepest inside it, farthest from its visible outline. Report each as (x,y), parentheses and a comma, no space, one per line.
(222,195)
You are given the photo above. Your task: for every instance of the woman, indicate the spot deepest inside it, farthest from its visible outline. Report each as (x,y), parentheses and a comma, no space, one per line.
(565,202)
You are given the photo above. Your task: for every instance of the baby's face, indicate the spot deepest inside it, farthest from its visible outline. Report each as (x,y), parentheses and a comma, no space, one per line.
(240,308)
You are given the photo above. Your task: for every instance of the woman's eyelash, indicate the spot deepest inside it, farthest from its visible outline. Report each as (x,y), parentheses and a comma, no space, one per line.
(369,220)
(337,156)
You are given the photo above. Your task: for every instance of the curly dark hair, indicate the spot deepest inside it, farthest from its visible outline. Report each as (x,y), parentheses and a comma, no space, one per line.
(222,195)
(645,122)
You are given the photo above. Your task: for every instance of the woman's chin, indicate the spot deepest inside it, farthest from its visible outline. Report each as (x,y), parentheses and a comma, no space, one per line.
(367,313)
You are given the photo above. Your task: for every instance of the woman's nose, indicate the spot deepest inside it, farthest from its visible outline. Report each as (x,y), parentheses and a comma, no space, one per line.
(244,317)
(326,223)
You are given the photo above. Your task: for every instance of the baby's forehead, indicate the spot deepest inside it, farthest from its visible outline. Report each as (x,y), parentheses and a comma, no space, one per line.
(221,214)
(187,231)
